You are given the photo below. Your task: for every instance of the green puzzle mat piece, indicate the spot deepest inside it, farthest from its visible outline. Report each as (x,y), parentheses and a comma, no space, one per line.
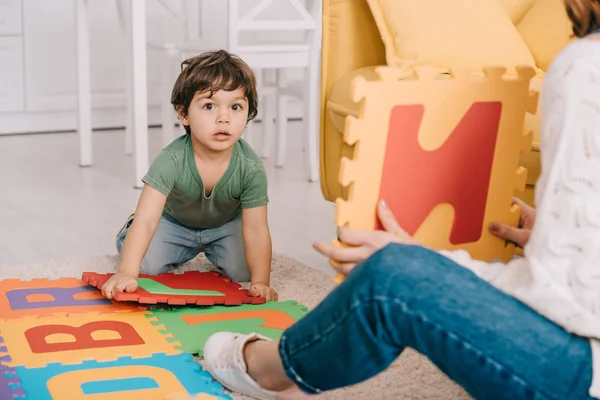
(151,286)
(192,326)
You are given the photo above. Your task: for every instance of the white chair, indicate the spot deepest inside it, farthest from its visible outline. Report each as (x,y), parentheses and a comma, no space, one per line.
(132,15)
(281,57)
(187,15)
(172,55)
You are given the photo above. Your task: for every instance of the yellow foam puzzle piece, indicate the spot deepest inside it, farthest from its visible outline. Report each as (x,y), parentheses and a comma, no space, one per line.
(446,99)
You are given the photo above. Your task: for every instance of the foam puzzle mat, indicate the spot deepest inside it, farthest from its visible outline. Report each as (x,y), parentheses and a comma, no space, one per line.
(41,297)
(446,168)
(190,287)
(61,340)
(10,383)
(156,377)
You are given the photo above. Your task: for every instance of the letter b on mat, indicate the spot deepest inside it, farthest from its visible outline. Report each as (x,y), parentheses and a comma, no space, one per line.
(34,342)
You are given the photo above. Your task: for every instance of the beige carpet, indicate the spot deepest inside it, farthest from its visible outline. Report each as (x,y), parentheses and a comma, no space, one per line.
(410,377)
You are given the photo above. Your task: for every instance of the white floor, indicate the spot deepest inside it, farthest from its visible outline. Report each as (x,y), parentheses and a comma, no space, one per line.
(51,209)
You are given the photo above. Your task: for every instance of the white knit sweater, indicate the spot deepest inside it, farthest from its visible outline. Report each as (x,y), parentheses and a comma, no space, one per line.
(559,276)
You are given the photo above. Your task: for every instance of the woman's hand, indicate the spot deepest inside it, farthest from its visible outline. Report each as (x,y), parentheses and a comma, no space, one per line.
(519,235)
(364,243)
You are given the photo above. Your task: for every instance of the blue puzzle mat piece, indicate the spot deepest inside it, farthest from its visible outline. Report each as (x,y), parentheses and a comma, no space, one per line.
(180,367)
(9,381)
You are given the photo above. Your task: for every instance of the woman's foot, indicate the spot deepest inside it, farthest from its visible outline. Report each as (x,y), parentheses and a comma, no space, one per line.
(249,364)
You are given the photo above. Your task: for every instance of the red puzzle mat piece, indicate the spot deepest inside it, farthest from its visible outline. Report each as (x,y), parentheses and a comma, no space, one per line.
(434,177)
(189,280)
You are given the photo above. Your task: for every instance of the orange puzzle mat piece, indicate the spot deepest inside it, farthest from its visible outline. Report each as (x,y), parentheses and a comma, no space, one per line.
(443,150)
(44,297)
(71,339)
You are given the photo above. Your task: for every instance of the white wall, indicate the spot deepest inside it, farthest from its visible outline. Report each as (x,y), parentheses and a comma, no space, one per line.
(38,60)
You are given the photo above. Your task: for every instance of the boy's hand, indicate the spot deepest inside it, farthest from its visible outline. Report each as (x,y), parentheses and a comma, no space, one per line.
(262,290)
(119,282)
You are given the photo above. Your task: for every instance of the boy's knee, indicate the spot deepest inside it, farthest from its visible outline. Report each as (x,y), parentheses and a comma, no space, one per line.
(123,233)
(239,275)
(119,246)
(233,264)
(153,266)
(120,241)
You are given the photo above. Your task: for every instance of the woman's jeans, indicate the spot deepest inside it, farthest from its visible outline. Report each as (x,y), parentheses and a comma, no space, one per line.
(408,296)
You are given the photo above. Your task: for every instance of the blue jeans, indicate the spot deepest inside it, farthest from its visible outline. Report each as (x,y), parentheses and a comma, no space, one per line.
(407,296)
(174,244)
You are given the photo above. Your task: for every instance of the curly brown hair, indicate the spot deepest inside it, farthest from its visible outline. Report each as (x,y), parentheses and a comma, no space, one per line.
(585,16)
(213,71)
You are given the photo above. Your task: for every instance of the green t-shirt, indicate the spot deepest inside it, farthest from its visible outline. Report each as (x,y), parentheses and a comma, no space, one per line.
(174,174)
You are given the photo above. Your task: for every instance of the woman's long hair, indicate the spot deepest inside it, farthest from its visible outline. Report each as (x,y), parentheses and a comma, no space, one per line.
(585,16)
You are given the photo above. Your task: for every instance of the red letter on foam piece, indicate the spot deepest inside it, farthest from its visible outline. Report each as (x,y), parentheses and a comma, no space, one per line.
(37,336)
(414,180)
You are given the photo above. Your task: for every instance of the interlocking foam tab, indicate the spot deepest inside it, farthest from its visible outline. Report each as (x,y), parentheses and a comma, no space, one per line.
(10,384)
(193,326)
(9,381)
(149,378)
(443,151)
(187,288)
(37,341)
(43,297)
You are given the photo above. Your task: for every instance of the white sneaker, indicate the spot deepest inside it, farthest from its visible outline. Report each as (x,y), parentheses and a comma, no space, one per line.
(224,359)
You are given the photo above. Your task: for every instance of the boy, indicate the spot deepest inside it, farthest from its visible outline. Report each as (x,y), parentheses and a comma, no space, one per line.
(207,190)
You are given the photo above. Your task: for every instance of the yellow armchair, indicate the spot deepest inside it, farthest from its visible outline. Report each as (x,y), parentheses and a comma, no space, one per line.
(353,45)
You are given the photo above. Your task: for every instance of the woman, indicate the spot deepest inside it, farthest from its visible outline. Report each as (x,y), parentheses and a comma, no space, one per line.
(526,329)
